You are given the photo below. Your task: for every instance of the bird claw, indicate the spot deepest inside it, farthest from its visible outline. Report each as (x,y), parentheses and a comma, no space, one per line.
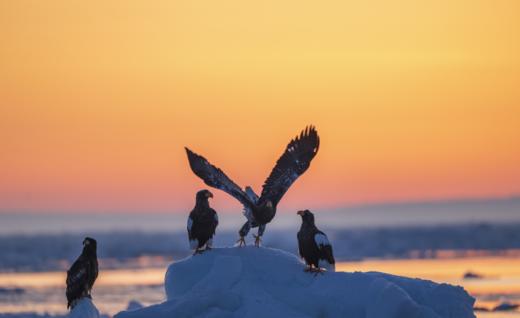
(318,271)
(257,240)
(241,241)
(314,271)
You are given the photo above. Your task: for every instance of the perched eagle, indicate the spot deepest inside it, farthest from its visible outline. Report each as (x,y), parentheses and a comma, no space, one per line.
(202,222)
(313,245)
(82,274)
(261,210)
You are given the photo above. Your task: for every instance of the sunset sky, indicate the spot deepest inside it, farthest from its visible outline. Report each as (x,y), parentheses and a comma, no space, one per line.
(413,100)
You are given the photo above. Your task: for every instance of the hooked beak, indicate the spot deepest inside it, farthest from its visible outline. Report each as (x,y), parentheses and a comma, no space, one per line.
(209,194)
(300,213)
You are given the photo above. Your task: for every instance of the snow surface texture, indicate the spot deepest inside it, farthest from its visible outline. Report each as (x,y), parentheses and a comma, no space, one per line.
(261,282)
(85,308)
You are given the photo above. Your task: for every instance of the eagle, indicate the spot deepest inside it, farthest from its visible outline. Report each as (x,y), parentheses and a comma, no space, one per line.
(313,245)
(202,222)
(261,210)
(82,274)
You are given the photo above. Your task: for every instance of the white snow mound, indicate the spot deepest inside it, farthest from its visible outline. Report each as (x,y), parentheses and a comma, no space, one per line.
(85,308)
(262,282)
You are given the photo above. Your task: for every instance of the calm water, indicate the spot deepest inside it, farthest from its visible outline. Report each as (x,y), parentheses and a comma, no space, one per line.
(44,292)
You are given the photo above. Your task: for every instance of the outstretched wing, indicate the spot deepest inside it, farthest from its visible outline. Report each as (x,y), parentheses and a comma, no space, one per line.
(292,164)
(216,178)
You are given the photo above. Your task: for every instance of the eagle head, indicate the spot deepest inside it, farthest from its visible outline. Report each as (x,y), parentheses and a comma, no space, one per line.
(201,200)
(204,195)
(307,216)
(89,244)
(89,241)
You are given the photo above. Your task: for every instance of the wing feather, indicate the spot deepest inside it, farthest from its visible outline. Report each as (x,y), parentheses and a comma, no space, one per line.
(77,280)
(189,225)
(216,178)
(293,163)
(324,247)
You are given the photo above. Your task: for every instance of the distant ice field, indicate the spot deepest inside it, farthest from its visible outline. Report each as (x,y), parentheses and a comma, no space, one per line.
(456,212)
(51,242)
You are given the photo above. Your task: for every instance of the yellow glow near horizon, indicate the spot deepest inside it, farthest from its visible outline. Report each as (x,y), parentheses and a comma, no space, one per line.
(500,274)
(412,100)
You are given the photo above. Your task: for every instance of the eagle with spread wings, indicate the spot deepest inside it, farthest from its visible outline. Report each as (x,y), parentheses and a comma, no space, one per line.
(261,210)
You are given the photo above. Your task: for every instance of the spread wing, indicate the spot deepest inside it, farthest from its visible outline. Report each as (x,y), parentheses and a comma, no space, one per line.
(292,164)
(216,178)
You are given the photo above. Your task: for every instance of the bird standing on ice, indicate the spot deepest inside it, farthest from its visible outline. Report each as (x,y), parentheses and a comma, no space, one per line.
(259,211)
(202,222)
(313,245)
(82,274)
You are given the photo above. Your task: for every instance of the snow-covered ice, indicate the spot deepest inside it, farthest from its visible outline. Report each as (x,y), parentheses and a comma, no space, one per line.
(85,308)
(262,282)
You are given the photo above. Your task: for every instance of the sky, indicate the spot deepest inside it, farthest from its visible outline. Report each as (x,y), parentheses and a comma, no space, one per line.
(413,100)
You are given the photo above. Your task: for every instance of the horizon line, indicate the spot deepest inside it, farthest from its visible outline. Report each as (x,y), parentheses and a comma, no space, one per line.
(362,205)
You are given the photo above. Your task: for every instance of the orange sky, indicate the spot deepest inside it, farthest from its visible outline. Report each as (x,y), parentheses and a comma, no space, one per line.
(413,100)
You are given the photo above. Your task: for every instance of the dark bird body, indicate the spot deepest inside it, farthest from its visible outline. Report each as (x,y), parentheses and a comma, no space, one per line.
(202,222)
(261,210)
(313,245)
(82,274)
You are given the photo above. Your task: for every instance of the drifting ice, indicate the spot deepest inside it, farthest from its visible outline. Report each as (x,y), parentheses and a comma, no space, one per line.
(85,308)
(261,282)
